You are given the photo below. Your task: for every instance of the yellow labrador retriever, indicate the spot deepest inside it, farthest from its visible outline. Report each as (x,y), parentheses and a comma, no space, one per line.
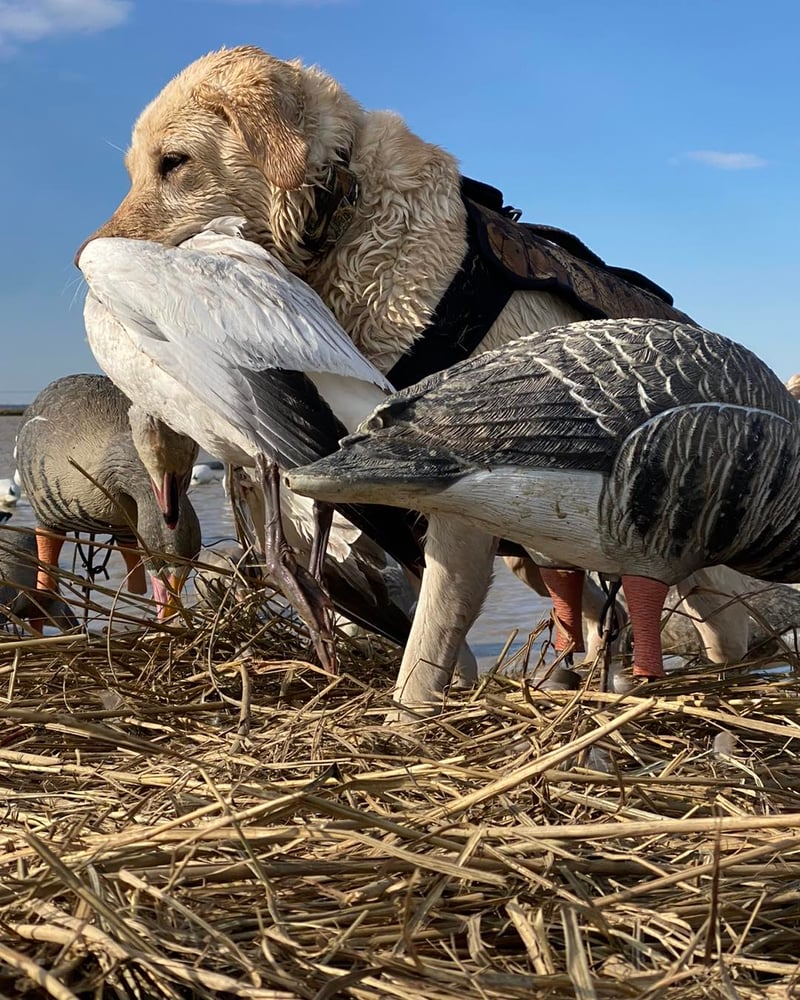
(239,132)
(369,214)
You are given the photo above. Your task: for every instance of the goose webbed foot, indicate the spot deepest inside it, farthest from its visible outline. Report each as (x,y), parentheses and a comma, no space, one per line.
(323,519)
(296,584)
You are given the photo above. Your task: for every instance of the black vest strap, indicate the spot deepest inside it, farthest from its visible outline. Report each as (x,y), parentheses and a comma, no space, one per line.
(471,304)
(504,255)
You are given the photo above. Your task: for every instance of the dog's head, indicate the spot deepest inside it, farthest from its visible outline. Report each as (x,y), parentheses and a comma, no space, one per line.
(228,136)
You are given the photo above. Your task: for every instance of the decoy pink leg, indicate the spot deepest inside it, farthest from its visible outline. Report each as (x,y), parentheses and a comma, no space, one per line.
(48,549)
(645,599)
(136,579)
(565,587)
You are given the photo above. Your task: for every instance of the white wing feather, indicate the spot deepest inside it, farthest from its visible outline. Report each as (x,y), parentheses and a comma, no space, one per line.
(206,323)
(231,293)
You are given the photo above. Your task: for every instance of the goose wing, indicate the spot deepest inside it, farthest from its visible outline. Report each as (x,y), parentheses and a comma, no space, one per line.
(230,292)
(279,412)
(184,321)
(567,398)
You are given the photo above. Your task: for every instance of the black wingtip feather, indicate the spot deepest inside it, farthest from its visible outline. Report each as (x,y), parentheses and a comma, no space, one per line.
(397,531)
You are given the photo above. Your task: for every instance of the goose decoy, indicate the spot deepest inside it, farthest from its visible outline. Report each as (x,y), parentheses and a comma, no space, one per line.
(643,449)
(167,457)
(9,493)
(207,472)
(18,574)
(225,345)
(81,472)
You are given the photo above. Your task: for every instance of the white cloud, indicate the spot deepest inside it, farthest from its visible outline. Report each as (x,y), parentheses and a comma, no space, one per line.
(31,20)
(727,161)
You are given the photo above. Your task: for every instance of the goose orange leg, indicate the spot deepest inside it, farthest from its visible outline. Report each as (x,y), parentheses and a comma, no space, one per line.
(645,599)
(565,587)
(136,578)
(48,549)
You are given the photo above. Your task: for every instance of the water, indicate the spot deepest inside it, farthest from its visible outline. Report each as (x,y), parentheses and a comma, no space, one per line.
(510,604)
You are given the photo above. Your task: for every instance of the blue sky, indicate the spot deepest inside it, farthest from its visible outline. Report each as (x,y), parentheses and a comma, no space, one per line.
(664,133)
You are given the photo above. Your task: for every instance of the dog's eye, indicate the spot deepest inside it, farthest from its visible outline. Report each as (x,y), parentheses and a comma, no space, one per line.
(170,162)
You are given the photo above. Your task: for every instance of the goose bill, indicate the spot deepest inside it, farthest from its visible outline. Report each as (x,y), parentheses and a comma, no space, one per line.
(167,590)
(168,496)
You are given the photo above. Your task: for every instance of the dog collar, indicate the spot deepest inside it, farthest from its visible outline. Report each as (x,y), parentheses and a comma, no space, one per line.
(334,206)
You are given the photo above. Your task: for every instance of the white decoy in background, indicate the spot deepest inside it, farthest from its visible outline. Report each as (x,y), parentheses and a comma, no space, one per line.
(225,345)
(643,449)
(9,493)
(207,472)
(79,426)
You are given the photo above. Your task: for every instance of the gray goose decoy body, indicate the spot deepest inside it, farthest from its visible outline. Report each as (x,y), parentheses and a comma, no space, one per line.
(18,573)
(644,449)
(81,422)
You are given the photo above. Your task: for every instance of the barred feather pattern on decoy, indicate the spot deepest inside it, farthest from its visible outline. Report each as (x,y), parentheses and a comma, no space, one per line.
(646,449)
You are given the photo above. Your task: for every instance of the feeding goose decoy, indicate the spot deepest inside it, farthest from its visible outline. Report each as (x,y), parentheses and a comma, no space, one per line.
(19,597)
(225,345)
(81,472)
(167,456)
(643,449)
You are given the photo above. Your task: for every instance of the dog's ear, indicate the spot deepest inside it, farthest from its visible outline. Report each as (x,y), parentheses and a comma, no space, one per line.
(264,108)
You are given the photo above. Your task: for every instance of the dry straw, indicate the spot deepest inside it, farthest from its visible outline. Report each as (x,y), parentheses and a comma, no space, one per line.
(195,811)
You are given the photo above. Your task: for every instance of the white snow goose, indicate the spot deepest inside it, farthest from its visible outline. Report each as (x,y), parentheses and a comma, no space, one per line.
(643,449)
(225,345)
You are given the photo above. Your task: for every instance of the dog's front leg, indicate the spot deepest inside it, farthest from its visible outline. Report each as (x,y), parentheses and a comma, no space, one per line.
(458,570)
